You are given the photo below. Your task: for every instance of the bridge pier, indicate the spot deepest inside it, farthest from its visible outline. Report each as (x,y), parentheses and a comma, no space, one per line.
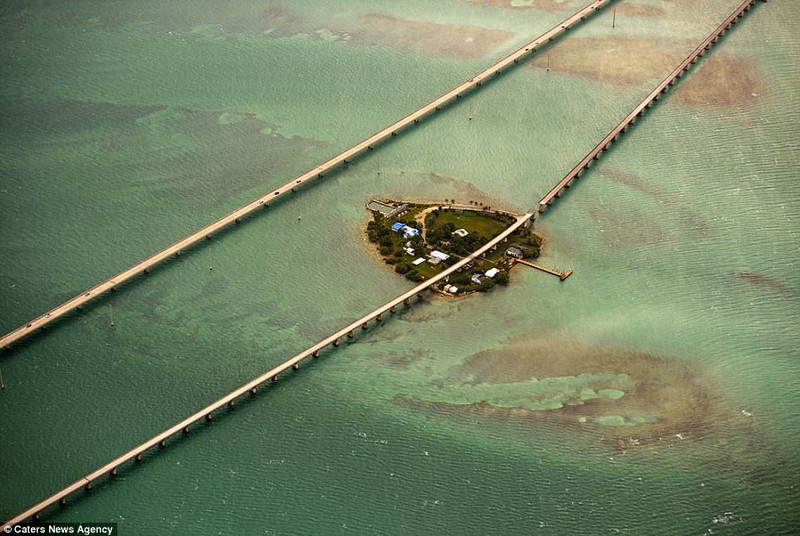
(89,487)
(63,501)
(364,326)
(231,403)
(336,343)
(295,366)
(350,334)
(208,417)
(406,302)
(138,457)
(378,318)
(315,354)
(253,391)
(185,429)
(162,444)
(275,379)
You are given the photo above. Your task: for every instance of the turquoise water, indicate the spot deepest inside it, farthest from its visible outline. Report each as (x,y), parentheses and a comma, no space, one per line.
(127,125)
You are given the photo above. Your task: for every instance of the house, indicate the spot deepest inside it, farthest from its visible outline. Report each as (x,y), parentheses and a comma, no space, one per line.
(461,232)
(419,261)
(478,278)
(439,255)
(410,251)
(396,226)
(515,253)
(408,232)
(492,272)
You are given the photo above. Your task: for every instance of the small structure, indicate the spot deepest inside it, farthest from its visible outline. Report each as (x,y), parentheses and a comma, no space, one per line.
(492,272)
(439,255)
(408,232)
(515,252)
(410,251)
(453,289)
(419,261)
(461,232)
(396,212)
(478,278)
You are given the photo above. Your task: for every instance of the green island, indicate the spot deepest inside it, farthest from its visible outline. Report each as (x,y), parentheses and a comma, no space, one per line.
(421,240)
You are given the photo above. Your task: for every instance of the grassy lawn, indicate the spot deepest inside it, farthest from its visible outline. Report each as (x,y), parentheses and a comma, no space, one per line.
(472,222)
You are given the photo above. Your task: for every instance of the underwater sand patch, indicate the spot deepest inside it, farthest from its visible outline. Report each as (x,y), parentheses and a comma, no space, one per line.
(766,282)
(721,79)
(693,221)
(640,10)
(429,38)
(625,390)
(379,28)
(541,5)
(626,60)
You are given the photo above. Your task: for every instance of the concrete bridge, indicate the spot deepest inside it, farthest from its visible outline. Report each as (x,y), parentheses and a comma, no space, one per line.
(206,414)
(647,103)
(318,172)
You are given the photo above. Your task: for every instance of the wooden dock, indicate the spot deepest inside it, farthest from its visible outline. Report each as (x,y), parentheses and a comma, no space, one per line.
(205,414)
(639,111)
(561,275)
(318,172)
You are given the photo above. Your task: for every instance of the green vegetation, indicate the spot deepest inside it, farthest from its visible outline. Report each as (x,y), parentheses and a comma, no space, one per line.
(456,233)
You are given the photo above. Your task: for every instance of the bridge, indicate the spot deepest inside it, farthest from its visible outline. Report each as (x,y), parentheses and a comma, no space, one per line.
(647,103)
(206,414)
(349,331)
(318,172)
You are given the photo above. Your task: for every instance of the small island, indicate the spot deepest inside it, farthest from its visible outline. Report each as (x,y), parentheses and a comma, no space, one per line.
(421,239)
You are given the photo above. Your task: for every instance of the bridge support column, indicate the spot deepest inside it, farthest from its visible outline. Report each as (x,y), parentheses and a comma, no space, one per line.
(185,429)
(231,403)
(88,487)
(275,379)
(114,470)
(336,343)
(378,318)
(392,309)
(138,457)
(350,334)
(208,417)
(295,366)
(253,391)
(406,301)
(315,354)
(162,444)
(364,326)
(63,501)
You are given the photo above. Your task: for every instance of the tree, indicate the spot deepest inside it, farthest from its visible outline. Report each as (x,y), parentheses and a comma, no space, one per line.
(501,278)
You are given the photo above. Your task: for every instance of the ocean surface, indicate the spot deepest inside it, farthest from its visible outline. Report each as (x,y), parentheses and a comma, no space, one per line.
(653,392)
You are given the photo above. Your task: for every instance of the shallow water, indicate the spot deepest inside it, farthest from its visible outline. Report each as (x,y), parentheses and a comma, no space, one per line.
(125,127)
